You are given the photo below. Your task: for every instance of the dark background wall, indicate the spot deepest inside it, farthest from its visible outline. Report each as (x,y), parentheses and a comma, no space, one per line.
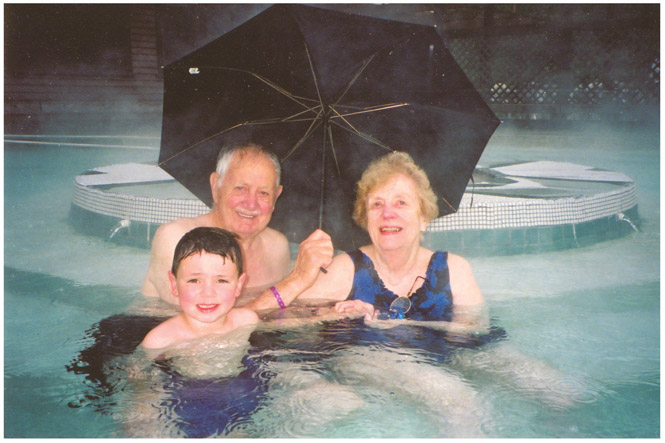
(96,69)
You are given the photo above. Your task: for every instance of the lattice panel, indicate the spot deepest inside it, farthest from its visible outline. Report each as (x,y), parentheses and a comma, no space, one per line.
(588,68)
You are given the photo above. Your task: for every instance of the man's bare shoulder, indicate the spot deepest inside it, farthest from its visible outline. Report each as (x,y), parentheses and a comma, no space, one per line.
(275,243)
(171,232)
(182,225)
(274,235)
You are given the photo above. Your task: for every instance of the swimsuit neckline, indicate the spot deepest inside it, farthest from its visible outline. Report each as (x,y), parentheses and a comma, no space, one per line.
(375,274)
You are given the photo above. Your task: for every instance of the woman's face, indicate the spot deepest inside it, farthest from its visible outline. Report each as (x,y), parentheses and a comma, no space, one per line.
(394,218)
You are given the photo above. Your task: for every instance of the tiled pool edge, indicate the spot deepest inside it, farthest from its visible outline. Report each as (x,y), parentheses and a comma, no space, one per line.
(505,241)
(473,242)
(494,220)
(511,241)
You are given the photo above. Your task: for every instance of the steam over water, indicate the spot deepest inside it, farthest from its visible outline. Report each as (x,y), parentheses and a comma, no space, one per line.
(580,357)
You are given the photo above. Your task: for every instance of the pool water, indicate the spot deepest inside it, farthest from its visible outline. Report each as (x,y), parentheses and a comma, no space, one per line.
(590,314)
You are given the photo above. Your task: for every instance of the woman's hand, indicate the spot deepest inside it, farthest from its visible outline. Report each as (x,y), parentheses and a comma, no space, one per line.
(358,307)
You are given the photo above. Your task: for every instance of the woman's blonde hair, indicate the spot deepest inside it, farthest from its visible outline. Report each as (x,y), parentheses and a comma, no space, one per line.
(383,168)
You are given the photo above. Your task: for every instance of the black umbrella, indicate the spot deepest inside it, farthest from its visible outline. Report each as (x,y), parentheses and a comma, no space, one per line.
(327,92)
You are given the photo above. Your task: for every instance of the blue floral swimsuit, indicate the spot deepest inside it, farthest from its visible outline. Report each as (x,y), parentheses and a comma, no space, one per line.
(432,301)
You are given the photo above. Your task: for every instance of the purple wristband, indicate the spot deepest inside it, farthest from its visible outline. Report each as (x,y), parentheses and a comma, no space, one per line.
(280,302)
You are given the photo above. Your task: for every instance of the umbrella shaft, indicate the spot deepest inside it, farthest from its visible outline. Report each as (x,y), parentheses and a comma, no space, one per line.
(326,127)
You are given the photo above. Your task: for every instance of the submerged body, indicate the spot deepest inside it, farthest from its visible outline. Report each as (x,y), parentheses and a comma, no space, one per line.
(266,381)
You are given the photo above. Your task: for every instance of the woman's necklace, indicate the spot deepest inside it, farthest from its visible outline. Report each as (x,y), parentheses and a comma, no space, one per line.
(397,284)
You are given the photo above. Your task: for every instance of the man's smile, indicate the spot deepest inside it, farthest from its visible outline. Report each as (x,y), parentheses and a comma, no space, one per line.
(245,214)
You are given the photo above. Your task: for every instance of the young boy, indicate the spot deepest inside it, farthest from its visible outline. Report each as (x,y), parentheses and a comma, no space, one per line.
(206,277)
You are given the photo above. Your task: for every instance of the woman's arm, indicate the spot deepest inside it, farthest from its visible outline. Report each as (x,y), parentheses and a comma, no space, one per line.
(466,320)
(462,282)
(469,312)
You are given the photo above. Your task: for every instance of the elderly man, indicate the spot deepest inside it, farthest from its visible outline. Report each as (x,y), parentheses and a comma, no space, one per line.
(245,187)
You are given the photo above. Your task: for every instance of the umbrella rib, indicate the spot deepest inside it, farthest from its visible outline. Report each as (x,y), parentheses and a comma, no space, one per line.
(356,131)
(311,68)
(332,148)
(354,78)
(366,63)
(268,82)
(344,119)
(282,91)
(448,203)
(309,131)
(255,122)
(365,136)
(200,142)
(374,109)
(291,118)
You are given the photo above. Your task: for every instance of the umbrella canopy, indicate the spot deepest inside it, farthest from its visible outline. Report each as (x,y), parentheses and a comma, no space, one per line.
(327,92)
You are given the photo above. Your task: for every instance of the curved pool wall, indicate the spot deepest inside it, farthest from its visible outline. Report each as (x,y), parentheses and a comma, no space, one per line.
(508,209)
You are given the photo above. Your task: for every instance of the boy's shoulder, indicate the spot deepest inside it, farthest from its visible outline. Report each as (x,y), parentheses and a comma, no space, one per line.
(243,317)
(173,330)
(164,334)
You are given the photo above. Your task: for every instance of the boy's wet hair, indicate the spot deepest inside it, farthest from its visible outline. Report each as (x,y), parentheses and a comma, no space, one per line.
(211,240)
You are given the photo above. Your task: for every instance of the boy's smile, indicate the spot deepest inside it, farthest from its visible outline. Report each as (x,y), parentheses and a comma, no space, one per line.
(207,286)
(207,308)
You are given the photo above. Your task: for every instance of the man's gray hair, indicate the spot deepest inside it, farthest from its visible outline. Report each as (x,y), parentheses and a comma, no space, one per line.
(227,153)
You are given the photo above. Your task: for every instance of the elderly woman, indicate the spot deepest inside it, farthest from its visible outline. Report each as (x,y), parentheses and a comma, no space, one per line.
(395,203)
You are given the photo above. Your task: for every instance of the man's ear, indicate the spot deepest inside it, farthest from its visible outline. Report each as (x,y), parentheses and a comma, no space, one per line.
(174,287)
(213,185)
(241,283)
(277,194)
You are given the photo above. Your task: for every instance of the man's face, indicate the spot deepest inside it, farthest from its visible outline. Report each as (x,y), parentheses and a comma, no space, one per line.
(246,198)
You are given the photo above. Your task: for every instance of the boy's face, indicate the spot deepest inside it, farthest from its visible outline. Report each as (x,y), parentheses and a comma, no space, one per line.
(207,286)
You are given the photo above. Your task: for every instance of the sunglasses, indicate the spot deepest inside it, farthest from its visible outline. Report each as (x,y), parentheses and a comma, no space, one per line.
(401,305)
